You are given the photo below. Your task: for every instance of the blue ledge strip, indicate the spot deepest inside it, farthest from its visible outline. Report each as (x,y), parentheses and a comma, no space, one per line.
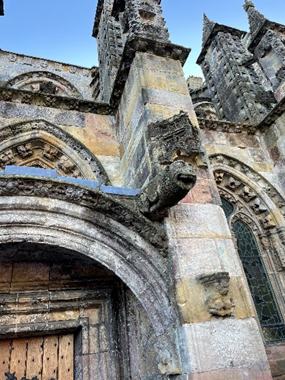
(80,181)
(119,190)
(50,173)
(29,170)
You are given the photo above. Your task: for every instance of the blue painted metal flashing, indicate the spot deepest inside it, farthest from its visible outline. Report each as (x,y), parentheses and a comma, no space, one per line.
(50,173)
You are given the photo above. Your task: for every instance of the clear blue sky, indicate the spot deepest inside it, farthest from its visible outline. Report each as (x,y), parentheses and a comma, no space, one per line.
(61,29)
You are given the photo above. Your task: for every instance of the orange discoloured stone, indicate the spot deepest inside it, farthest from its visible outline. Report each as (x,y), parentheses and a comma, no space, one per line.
(98,135)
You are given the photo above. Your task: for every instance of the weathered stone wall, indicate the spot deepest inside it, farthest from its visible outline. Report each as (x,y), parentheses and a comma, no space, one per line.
(216,347)
(13,65)
(96,132)
(274,140)
(172,299)
(276,360)
(155,90)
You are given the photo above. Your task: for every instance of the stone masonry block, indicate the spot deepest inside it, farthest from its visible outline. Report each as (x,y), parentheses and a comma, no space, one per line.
(194,257)
(167,98)
(227,343)
(200,225)
(234,374)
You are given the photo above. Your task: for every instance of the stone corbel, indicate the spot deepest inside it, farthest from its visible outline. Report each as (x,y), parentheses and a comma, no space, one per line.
(219,302)
(168,360)
(174,139)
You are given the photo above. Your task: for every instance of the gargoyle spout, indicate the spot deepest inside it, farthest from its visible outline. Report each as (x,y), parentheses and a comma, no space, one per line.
(166,190)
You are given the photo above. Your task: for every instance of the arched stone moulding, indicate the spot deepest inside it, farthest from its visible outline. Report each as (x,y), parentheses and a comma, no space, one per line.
(40,143)
(95,234)
(264,190)
(258,204)
(36,80)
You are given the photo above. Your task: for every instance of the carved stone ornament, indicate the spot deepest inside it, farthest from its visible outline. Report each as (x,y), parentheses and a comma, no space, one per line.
(173,138)
(220,162)
(167,359)
(219,302)
(273,241)
(77,161)
(248,202)
(51,100)
(92,199)
(166,190)
(226,126)
(44,82)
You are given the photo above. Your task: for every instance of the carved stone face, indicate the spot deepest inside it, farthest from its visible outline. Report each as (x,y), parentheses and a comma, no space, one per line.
(223,287)
(183,174)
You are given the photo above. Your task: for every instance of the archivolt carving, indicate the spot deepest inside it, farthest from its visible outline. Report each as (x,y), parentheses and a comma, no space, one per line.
(221,163)
(247,200)
(253,204)
(105,231)
(95,200)
(44,82)
(42,144)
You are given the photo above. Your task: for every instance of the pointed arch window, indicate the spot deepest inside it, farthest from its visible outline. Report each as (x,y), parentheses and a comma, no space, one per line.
(267,308)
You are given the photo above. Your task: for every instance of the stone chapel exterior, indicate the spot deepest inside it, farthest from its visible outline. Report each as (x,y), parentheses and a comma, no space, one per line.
(142,230)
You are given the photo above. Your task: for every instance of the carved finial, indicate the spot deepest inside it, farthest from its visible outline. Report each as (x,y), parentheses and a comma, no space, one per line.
(248,4)
(255,18)
(208,26)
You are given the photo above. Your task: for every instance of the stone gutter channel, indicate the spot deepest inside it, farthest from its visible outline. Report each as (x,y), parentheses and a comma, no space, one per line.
(51,173)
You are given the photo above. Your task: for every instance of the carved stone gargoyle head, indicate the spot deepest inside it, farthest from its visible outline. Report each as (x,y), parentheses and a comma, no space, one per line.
(166,189)
(219,302)
(182,174)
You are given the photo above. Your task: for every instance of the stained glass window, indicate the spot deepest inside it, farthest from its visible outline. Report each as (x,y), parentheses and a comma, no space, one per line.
(267,308)
(227,207)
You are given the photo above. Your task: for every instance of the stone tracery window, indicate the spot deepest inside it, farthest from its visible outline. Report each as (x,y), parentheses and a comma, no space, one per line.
(266,305)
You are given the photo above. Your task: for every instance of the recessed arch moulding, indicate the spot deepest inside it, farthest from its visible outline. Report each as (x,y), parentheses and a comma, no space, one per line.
(42,144)
(270,196)
(64,218)
(261,206)
(44,81)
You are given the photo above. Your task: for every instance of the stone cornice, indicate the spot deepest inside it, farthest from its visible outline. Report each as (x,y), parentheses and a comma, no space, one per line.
(99,9)
(258,35)
(277,111)
(134,44)
(139,44)
(226,126)
(54,101)
(92,199)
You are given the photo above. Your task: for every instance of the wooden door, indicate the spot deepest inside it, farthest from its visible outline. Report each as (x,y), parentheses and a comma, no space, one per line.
(49,357)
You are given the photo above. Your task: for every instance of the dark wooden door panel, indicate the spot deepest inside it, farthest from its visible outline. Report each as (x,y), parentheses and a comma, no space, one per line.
(50,357)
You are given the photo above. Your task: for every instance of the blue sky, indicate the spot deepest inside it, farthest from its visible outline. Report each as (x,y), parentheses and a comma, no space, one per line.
(61,29)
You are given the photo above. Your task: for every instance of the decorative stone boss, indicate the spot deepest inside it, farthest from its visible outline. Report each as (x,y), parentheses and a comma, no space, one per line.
(166,189)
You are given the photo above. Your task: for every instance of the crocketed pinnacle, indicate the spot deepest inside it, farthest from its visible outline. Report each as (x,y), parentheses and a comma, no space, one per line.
(255,18)
(208,26)
(248,4)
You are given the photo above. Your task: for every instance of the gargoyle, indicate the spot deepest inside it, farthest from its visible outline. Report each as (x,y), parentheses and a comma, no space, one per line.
(166,189)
